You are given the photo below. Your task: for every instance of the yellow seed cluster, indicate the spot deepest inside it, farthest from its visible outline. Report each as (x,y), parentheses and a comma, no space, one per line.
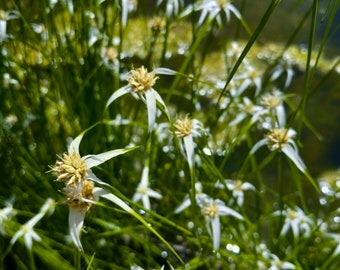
(157,24)
(249,108)
(2,15)
(270,101)
(277,138)
(183,126)
(238,185)
(292,215)
(140,80)
(142,190)
(210,211)
(75,196)
(223,3)
(70,169)
(111,54)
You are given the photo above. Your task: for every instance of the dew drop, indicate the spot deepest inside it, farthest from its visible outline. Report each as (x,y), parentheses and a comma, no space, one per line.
(233,248)
(44,90)
(323,201)
(166,149)
(164,254)
(337,183)
(202,92)
(336,219)
(218,255)
(326,189)
(181,174)
(181,50)
(32,146)
(207,151)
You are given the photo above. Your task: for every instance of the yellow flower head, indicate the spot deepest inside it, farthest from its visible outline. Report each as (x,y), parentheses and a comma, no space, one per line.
(157,24)
(238,185)
(277,138)
(75,196)
(71,169)
(142,190)
(183,126)
(223,3)
(2,15)
(270,101)
(111,54)
(210,211)
(292,214)
(249,108)
(140,80)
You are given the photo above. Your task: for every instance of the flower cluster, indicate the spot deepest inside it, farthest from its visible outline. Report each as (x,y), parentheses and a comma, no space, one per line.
(81,193)
(27,230)
(144,192)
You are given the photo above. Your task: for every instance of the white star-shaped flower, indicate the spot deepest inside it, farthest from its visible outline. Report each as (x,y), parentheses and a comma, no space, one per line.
(237,187)
(212,210)
(281,139)
(140,85)
(296,220)
(144,192)
(27,230)
(277,264)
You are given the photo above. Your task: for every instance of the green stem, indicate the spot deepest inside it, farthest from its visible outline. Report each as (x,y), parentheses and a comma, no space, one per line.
(300,191)
(165,41)
(280,183)
(308,73)
(194,204)
(281,204)
(77,255)
(258,180)
(31,259)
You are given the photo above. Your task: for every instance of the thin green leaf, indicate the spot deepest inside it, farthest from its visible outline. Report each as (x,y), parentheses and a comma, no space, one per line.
(250,43)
